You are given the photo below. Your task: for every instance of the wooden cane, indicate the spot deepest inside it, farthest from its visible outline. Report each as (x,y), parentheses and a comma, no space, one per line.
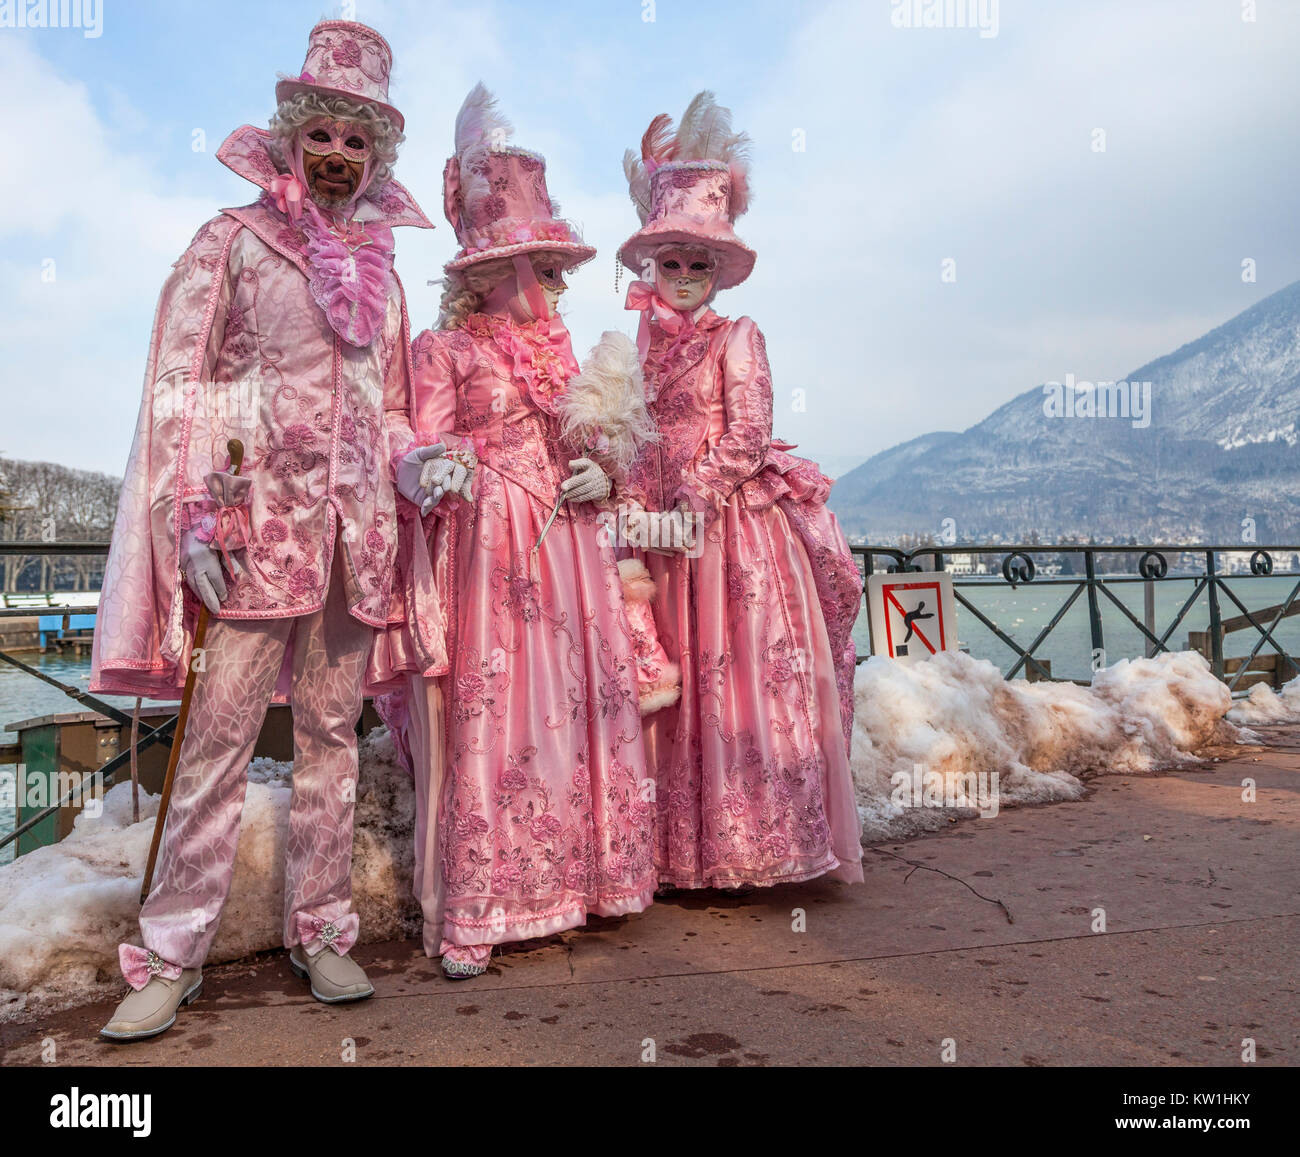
(236,450)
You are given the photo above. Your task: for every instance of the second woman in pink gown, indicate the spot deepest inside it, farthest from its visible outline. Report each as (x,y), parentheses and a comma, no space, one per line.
(536,809)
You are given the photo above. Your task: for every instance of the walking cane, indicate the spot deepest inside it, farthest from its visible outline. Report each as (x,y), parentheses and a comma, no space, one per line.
(236,450)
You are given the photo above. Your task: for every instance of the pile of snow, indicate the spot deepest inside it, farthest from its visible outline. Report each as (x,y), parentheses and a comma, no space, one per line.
(65,908)
(1264,705)
(954,715)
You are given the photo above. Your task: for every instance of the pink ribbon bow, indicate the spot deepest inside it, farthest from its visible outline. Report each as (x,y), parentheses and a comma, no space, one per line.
(317,934)
(230,529)
(288,192)
(231,532)
(140,966)
(641,295)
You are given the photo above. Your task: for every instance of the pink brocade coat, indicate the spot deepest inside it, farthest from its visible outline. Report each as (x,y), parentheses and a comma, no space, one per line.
(751,767)
(241,348)
(544,812)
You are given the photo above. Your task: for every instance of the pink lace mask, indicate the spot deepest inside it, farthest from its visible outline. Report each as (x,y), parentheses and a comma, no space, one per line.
(300,152)
(343,138)
(552,277)
(692,264)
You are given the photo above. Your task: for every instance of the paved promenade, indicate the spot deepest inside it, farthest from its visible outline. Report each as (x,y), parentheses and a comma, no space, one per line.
(980,935)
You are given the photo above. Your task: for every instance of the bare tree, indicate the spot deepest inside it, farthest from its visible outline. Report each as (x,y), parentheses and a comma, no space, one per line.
(47,502)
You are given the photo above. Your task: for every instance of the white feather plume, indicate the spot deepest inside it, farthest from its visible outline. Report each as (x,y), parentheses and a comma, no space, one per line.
(480,122)
(608,398)
(705,134)
(638,184)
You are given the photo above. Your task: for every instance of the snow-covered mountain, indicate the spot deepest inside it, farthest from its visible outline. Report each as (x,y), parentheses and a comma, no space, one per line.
(1214,446)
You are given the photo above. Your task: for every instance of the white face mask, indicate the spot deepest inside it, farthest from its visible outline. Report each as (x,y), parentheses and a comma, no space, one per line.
(684,276)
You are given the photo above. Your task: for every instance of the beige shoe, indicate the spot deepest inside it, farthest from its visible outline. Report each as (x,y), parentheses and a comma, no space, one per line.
(152,1010)
(334,979)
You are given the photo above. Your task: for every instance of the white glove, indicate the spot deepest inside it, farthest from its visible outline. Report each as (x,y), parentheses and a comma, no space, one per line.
(202,566)
(444,476)
(587,483)
(411,472)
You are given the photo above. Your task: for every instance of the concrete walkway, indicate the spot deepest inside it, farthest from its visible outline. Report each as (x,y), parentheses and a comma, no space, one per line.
(980,935)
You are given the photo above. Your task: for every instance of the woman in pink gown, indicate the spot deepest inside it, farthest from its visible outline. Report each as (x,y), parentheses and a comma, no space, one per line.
(757,601)
(538,793)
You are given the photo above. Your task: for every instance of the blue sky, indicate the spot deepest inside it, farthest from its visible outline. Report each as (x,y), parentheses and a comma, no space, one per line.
(922,145)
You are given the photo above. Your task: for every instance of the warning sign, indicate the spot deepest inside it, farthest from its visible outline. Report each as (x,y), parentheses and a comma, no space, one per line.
(913,615)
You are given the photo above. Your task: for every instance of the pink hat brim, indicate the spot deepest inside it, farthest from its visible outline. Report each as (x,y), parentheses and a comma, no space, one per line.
(574,253)
(285,89)
(735,258)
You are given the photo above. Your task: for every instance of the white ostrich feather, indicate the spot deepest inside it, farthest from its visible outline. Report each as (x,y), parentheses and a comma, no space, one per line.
(705,134)
(480,122)
(638,184)
(608,398)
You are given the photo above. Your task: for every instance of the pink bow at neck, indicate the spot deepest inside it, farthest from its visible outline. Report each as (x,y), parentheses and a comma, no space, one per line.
(288,192)
(317,934)
(140,966)
(641,295)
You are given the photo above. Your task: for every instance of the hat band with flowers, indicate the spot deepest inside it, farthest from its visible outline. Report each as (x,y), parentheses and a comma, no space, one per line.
(513,235)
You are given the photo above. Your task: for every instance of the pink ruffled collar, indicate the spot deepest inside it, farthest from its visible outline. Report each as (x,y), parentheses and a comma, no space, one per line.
(540,352)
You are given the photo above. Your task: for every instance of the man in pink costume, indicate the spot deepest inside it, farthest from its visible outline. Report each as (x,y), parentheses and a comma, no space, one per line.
(534,811)
(751,766)
(283,325)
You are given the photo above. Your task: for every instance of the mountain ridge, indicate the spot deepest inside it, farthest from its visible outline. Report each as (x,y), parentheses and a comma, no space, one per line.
(1218,459)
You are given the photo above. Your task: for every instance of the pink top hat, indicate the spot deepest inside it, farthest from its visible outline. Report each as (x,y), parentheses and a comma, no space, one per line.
(689,186)
(349,60)
(495,194)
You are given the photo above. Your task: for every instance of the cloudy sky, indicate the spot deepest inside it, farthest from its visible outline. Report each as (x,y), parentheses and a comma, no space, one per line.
(920,146)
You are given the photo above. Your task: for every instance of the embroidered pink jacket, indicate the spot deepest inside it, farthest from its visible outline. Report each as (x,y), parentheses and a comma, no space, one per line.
(241,349)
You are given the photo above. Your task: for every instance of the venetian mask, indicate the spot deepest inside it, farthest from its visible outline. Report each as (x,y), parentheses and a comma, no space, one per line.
(684,275)
(550,276)
(336,160)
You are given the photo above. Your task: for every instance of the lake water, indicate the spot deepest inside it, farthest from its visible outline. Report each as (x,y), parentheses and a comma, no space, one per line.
(23,696)
(1021,613)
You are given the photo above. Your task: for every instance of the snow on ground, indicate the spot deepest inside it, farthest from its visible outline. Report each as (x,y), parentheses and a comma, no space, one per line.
(64,909)
(954,715)
(1264,705)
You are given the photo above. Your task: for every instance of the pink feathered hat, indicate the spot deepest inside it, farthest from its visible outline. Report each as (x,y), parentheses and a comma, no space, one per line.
(689,186)
(495,195)
(349,60)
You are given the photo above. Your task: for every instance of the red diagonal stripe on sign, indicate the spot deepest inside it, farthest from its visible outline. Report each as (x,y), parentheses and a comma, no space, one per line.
(889,594)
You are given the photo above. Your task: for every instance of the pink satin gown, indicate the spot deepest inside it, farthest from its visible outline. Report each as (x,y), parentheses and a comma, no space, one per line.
(751,767)
(545,812)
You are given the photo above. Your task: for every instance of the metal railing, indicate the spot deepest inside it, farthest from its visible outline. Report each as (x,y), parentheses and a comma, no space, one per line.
(1019,568)
(146,736)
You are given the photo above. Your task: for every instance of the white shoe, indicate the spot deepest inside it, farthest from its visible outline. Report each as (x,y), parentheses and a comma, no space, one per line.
(152,1010)
(334,979)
